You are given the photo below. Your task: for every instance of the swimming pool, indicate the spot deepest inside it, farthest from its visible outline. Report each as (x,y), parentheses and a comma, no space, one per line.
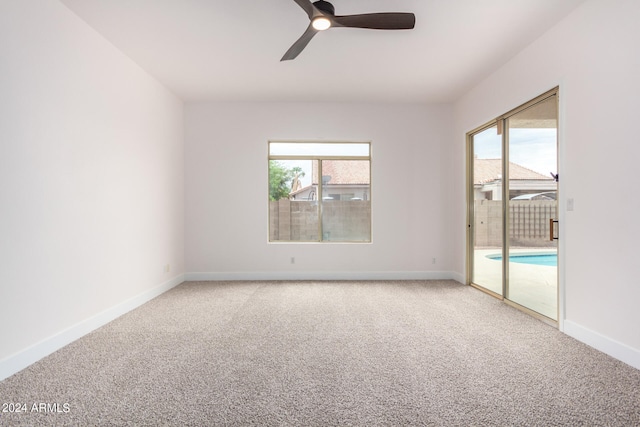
(548,259)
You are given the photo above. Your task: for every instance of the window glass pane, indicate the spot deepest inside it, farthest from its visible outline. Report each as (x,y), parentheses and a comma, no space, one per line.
(346,206)
(532,205)
(318,149)
(487,205)
(293,208)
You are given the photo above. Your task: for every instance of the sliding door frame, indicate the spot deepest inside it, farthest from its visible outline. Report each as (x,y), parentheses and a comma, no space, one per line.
(471,211)
(500,122)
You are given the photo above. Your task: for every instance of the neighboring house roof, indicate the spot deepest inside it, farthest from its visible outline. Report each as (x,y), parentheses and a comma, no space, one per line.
(488,170)
(301,190)
(353,172)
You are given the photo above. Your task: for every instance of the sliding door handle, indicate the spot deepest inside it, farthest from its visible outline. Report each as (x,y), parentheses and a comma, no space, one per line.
(551,227)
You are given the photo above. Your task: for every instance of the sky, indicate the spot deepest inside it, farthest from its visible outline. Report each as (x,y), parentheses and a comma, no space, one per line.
(533,148)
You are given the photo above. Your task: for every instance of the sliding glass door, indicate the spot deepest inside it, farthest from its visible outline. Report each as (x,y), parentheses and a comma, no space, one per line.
(513,222)
(486,169)
(533,254)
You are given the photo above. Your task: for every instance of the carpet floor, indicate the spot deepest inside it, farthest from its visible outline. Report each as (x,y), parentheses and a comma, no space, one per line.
(431,353)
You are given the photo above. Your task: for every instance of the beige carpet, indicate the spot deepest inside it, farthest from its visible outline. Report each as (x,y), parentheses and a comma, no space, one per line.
(324,354)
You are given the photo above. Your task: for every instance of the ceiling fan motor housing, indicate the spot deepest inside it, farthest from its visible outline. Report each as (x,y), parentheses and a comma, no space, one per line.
(325,7)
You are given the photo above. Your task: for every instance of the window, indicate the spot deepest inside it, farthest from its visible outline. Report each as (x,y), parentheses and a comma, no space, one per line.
(319,192)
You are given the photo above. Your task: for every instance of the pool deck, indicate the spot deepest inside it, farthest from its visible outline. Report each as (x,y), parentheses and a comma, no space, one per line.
(533,286)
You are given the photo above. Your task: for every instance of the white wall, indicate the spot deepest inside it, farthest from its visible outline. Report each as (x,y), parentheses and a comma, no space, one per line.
(227,191)
(92,188)
(593,56)
(91,182)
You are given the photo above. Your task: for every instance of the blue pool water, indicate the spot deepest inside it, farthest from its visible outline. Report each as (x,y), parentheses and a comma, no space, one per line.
(550,260)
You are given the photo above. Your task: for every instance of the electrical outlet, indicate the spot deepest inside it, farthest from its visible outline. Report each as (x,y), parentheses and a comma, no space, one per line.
(167,268)
(293,260)
(433,260)
(570,204)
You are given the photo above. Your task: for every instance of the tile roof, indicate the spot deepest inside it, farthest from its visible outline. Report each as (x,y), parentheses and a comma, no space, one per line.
(344,171)
(487,170)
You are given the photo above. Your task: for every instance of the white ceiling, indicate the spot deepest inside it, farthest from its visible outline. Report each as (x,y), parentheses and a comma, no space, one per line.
(231,49)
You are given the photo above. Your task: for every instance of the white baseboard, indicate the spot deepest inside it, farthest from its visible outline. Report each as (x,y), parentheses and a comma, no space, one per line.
(322,275)
(616,349)
(458,277)
(32,354)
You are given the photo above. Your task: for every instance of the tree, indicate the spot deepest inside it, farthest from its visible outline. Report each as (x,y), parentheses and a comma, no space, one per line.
(280,178)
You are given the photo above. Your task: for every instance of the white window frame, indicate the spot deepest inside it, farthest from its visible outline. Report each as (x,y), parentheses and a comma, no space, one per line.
(324,151)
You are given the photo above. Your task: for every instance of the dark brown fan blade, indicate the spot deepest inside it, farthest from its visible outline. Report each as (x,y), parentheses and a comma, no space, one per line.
(300,44)
(307,6)
(377,21)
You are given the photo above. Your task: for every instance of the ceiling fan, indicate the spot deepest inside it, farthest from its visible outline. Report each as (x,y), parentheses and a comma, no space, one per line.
(322,16)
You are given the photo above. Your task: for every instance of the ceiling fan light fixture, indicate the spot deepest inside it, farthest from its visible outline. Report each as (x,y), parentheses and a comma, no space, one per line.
(321,23)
